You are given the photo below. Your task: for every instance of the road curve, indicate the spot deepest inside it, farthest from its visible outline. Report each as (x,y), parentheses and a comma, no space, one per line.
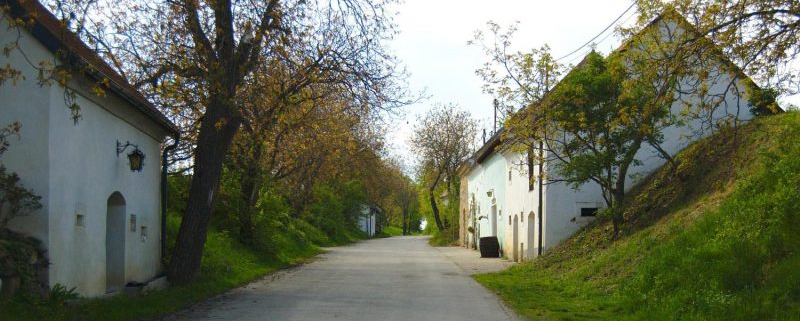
(399,278)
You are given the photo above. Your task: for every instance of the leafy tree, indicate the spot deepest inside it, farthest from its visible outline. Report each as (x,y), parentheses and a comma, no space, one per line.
(21,257)
(594,130)
(760,36)
(516,79)
(15,200)
(406,199)
(592,124)
(443,139)
(202,61)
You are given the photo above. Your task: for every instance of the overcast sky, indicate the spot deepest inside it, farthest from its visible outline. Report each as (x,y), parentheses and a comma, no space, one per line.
(432,45)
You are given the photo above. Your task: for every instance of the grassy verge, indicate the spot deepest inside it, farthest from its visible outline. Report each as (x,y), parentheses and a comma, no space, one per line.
(227,264)
(390,231)
(717,240)
(445,238)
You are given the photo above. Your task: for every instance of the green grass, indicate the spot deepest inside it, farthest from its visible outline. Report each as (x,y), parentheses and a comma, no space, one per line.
(227,264)
(392,231)
(445,238)
(717,240)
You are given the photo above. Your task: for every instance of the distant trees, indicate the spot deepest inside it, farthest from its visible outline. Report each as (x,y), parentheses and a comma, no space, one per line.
(406,199)
(443,139)
(401,205)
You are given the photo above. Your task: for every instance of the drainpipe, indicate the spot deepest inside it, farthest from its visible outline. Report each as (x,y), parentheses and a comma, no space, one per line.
(541,185)
(164,155)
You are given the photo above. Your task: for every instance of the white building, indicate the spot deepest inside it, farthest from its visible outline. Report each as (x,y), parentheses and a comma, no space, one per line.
(529,218)
(367,219)
(100,221)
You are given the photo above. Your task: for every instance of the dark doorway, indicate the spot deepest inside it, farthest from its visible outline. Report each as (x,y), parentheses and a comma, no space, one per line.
(115,242)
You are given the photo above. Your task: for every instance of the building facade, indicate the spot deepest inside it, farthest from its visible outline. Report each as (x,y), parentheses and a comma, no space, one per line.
(100,222)
(529,212)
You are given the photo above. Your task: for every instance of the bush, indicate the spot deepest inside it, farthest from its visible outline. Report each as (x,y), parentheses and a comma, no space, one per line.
(335,209)
(21,257)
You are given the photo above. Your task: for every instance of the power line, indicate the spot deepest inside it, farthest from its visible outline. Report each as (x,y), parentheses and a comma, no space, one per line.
(599,42)
(599,34)
(573,59)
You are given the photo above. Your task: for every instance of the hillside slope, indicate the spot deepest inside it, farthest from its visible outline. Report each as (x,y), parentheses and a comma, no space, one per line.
(717,238)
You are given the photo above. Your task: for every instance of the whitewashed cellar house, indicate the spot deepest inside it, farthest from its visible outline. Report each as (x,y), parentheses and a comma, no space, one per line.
(101,220)
(503,196)
(368,219)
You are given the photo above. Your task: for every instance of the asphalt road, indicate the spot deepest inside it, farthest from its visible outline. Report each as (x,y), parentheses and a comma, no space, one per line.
(400,278)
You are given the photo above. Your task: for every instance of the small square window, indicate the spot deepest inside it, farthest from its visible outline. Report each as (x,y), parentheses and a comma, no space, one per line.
(133,222)
(589,211)
(79,220)
(144,233)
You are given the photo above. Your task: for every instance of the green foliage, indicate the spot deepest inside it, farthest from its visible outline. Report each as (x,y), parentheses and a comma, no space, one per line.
(734,262)
(178,192)
(15,199)
(21,257)
(226,264)
(444,238)
(59,295)
(586,105)
(717,240)
(393,231)
(764,101)
(334,209)
(280,239)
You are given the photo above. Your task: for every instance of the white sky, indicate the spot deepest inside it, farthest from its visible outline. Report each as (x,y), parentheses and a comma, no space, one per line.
(432,45)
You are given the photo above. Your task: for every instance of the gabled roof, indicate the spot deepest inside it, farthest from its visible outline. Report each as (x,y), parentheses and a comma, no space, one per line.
(50,31)
(713,49)
(491,145)
(481,154)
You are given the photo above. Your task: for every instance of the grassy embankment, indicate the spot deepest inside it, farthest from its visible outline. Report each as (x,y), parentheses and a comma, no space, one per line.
(390,231)
(717,240)
(227,264)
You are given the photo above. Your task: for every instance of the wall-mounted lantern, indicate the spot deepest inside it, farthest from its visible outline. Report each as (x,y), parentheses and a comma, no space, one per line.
(135,157)
(489,192)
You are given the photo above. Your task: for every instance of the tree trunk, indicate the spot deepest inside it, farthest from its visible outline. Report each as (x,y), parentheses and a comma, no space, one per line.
(618,191)
(616,215)
(618,195)
(435,211)
(405,221)
(245,210)
(434,208)
(216,134)
(249,193)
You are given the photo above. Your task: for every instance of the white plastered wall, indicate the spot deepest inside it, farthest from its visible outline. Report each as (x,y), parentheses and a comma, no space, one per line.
(75,168)
(489,175)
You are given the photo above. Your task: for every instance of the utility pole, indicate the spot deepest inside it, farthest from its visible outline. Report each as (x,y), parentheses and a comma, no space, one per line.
(495,104)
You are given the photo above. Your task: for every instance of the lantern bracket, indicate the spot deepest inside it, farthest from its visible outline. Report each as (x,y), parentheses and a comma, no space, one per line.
(135,157)
(122,147)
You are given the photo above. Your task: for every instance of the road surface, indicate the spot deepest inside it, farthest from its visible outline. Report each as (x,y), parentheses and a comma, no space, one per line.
(399,278)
